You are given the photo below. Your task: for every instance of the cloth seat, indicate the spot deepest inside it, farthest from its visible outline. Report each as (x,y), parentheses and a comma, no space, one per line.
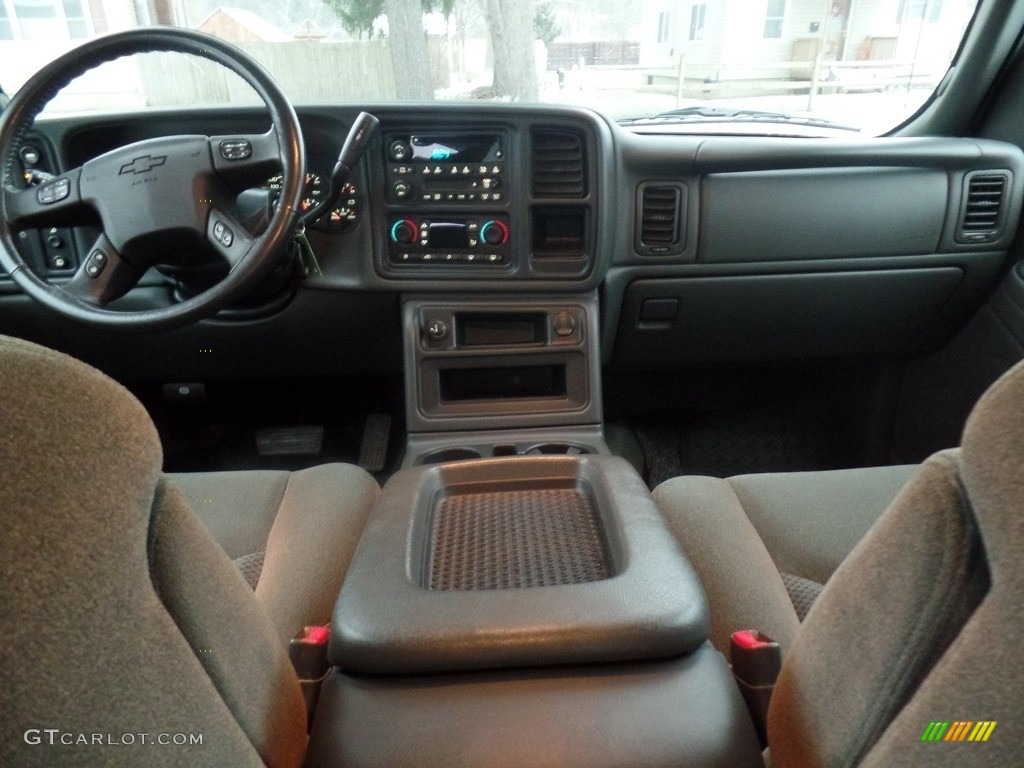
(291,534)
(913,639)
(121,613)
(765,544)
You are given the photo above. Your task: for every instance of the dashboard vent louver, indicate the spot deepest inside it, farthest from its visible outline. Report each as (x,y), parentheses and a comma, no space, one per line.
(981,217)
(559,164)
(660,229)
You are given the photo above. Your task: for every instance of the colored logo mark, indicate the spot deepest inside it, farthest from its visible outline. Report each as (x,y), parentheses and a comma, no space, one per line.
(959,730)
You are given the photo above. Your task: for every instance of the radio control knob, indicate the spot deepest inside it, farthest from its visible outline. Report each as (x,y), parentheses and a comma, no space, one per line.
(401,189)
(437,329)
(564,323)
(403,231)
(494,232)
(399,151)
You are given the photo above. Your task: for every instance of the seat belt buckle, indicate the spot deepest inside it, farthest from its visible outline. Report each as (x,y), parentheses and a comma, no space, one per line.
(756,661)
(308,654)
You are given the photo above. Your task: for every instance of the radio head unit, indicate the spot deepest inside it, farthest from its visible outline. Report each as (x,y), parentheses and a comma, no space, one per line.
(446,148)
(449,169)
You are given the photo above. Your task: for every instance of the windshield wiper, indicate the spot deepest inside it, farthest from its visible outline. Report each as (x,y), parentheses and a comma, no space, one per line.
(719,114)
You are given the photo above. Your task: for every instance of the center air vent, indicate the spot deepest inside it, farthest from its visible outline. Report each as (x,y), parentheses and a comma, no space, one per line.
(559,164)
(660,230)
(981,215)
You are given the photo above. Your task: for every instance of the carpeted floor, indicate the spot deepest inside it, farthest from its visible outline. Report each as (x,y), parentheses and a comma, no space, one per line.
(777,438)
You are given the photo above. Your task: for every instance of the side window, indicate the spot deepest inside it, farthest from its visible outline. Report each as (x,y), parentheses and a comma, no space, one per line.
(664,24)
(773,17)
(697,13)
(6,28)
(74,15)
(916,10)
(43,19)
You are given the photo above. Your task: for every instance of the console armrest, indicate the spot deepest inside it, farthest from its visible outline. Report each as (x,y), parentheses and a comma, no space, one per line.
(526,561)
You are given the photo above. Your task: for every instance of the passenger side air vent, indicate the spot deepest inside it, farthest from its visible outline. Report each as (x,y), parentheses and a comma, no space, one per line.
(660,224)
(559,164)
(981,214)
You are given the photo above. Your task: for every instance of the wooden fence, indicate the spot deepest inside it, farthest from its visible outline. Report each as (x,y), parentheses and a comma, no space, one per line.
(307,71)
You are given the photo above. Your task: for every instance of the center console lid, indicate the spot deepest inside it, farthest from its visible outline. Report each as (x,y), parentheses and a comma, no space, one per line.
(515,562)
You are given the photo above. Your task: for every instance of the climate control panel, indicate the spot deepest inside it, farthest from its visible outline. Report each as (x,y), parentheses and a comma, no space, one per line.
(482,240)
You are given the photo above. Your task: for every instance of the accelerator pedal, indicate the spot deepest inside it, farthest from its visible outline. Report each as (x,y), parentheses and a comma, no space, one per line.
(374,449)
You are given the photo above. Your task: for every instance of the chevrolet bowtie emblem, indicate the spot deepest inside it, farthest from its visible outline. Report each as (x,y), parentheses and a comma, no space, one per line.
(142,164)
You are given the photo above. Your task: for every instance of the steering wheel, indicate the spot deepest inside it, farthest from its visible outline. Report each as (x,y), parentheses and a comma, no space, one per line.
(169,191)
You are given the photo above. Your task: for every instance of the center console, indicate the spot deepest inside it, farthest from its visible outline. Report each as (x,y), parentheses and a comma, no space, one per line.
(528,611)
(516,598)
(495,376)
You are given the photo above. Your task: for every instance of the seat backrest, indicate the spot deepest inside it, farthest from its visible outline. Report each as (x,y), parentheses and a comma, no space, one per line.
(918,627)
(123,623)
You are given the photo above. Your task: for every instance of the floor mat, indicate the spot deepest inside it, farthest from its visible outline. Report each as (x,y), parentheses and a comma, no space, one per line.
(279,425)
(781,438)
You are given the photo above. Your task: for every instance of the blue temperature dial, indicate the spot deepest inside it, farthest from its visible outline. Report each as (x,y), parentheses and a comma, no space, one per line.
(494,232)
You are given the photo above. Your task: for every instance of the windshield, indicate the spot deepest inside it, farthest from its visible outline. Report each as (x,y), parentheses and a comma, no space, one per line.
(864,65)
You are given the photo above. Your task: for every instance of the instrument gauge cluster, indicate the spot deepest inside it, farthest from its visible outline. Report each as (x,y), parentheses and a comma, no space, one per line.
(345,214)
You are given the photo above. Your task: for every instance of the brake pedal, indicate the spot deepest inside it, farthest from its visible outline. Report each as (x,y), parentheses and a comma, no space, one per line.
(290,441)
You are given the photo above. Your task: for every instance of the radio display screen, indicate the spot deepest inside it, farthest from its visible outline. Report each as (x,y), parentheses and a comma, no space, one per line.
(456,148)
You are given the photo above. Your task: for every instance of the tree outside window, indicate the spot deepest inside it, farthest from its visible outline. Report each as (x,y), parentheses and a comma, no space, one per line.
(773,18)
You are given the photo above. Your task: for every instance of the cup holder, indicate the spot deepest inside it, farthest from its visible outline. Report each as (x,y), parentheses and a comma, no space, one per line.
(561,449)
(445,455)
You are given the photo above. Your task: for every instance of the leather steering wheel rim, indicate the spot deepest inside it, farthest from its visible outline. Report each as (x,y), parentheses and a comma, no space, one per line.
(259,255)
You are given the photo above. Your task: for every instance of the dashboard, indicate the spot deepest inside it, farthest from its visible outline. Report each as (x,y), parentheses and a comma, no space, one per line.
(692,248)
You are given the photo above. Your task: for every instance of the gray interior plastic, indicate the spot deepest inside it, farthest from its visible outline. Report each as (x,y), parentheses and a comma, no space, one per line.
(761,317)
(388,621)
(821,213)
(570,361)
(685,712)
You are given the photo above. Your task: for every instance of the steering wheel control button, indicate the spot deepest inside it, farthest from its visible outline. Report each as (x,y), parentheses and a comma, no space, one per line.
(236,149)
(96,264)
(54,191)
(222,234)
(437,329)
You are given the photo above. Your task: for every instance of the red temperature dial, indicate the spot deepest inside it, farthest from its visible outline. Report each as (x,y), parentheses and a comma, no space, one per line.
(494,232)
(403,231)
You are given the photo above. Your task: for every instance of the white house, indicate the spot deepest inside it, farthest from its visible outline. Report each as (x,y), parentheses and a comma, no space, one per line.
(724,40)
